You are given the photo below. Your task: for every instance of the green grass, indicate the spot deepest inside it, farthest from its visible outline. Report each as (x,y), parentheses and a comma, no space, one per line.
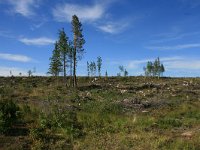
(94,115)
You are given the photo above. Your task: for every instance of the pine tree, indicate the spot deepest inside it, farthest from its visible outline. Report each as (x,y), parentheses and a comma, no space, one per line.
(145,71)
(64,50)
(55,66)
(29,73)
(162,69)
(154,68)
(92,67)
(78,42)
(157,67)
(150,68)
(95,68)
(70,60)
(106,74)
(88,69)
(125,73)
(99,64)
(121,68)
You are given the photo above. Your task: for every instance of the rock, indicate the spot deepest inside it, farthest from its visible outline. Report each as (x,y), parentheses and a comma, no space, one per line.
(187,134)
(126,101)
(145,111)
(146,104)
(123,91)
(95,79)
(118,85)
(132,103)
(88,94)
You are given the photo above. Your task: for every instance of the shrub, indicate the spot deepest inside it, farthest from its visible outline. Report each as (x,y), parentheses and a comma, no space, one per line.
(166,123)
(8,115)
(60,118)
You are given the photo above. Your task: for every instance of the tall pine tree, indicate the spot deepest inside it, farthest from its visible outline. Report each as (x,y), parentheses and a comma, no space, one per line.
(88,69)
(78,42)
(99,64)
(70,60)
(55,66)
(64,50)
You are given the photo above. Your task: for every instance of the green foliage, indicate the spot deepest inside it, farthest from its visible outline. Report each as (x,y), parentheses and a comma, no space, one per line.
(29,73)
(154,68)
(64,49)
(98,116)
(78,42)
(167,122)
(92,68)
(88,68)
(111,108)
(106,74)
(99,64)
(125,73)
(65,120)
(121,68)
(55,64)
(55,129)
(122,72)
(8,115)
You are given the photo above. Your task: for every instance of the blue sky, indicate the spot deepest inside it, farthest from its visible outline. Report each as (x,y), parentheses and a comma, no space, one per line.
(122,32)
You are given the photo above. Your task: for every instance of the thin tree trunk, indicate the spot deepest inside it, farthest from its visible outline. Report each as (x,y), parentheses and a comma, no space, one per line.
(71,79)
(74,69)
(64,65)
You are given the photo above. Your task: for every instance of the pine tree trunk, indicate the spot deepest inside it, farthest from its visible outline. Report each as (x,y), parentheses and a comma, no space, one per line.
(64,65)
(71,79)
(74,69)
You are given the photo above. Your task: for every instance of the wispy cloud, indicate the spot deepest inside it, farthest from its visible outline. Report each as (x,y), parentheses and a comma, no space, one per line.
(7,71)
(174,65)
(37,41)
(190,3)
(175,47)
(134,64)
(15,57)
(95,14)
(171,36)
(113,27)
(36,26)
(6,34)
(90,13)
(15,71)
(186,64)
(23,7)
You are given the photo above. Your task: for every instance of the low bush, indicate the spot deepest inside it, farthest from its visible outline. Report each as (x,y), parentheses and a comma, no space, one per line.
(59,124)
(8,115)
(166,123)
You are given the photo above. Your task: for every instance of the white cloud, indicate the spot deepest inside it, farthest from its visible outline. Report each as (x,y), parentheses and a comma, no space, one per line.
(95,14)
(175,47)
(113,28)
(173,58)
(13,57)
(134,64)
(175,35)
(176,65)
(65,12)
(6,34)
(23,7)
(190,3)
(7,71)
(37,41)
(186,64)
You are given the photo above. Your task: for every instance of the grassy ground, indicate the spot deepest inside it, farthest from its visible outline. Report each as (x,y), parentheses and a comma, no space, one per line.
(110,113)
